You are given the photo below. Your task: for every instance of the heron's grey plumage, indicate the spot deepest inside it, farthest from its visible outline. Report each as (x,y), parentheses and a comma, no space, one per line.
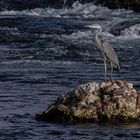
(106,50)
(111,54)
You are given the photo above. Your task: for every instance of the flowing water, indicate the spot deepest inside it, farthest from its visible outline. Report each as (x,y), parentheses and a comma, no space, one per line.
(46,52)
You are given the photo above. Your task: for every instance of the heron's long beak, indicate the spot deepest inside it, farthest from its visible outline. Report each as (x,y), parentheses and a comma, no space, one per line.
(91,26)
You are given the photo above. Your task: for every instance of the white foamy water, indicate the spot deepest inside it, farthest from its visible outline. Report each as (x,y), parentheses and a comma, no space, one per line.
(77,10)
(78,35)
(86,11)
(87,37)
(132,32)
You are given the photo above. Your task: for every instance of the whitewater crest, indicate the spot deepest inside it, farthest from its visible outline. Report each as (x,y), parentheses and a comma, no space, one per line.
(77,10)
(92,13)
(132,32)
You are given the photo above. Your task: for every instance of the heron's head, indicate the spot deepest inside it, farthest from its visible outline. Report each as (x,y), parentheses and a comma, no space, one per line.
(94,26)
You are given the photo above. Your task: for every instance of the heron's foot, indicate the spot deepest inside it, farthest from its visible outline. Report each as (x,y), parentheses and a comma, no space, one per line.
(105,80)
(111,79)
(105,84)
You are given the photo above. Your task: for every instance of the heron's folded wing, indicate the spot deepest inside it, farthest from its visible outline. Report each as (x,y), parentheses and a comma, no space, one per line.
(110,54)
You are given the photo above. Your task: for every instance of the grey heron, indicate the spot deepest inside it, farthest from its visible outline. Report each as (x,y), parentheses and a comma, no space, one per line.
(107,51)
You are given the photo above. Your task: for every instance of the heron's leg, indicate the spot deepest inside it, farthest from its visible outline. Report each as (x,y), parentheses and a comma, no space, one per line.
(111,65)
(104,69)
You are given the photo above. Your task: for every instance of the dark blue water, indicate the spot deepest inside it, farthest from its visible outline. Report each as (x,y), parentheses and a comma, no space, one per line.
(46,52)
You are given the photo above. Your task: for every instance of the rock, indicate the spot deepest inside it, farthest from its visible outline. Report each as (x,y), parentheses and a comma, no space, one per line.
(95,102)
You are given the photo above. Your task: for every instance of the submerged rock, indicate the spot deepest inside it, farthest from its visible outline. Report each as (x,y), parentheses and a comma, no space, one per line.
(95,102)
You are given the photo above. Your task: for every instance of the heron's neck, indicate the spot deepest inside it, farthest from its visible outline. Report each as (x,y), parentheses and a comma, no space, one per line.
(98,33)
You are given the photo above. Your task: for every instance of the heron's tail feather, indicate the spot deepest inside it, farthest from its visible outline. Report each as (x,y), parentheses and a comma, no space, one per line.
(117,67)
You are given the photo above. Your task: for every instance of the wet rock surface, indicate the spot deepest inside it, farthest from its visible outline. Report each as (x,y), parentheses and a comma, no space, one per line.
(95,102)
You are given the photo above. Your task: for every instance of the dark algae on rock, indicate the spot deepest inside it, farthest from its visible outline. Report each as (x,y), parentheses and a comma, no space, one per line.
(95,102)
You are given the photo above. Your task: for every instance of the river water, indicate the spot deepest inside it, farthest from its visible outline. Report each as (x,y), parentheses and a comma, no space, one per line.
(46,52)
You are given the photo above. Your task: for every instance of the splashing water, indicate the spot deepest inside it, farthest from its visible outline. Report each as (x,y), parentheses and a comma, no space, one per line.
(132,32)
